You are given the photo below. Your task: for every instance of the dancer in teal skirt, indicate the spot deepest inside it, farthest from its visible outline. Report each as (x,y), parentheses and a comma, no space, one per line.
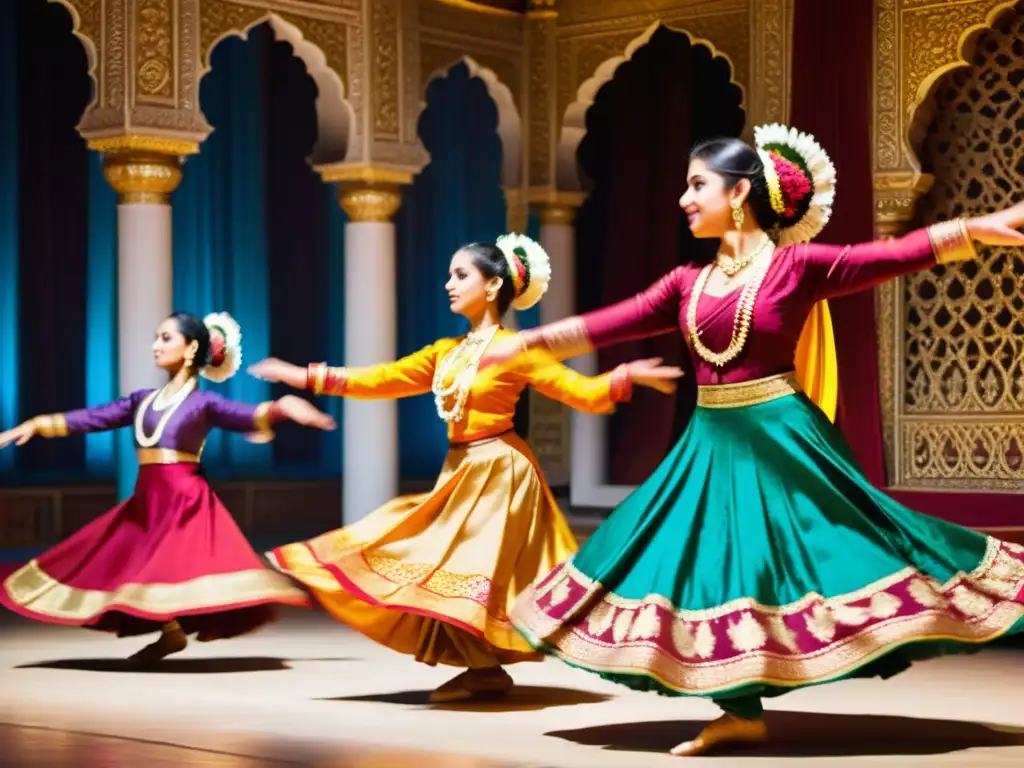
(757,558)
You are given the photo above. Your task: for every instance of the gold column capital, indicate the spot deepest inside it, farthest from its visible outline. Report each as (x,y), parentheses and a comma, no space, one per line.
(367,192)
(896,194)
(556,207)
(142,177)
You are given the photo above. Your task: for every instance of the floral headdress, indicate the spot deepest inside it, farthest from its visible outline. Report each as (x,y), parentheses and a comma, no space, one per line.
(225,347)
(530,267)
(801,181)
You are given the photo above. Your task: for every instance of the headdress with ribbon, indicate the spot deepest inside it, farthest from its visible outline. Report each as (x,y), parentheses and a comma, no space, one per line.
(801,181)
(225,347)
(530,268)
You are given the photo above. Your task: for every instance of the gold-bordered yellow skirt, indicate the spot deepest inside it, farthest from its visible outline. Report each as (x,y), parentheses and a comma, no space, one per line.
(435,575)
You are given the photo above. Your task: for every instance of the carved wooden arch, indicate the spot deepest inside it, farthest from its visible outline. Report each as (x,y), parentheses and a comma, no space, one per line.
(510,124)
(574,120)
(337,127)
(85,25)
(954,52)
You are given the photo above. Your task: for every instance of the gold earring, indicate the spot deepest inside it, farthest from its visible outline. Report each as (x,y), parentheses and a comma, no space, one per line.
(738,216)
(491,297)
(190,358)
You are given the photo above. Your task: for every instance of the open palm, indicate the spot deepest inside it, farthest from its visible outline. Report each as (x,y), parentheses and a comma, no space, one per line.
(999,228)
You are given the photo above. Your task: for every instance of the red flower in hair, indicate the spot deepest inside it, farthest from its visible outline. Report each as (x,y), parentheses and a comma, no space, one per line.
(793,183)
(217,353)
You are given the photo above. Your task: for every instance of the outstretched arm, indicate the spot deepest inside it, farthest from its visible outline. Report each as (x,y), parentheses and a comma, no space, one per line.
(650,313)
(258,420)
(838,270)
(411,375)
(99,418)
(593,394)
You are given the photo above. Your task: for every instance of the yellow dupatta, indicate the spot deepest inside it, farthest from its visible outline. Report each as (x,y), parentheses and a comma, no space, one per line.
(817,367)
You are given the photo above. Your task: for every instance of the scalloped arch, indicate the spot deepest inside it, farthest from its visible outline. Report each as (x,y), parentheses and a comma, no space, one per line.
(91,53)
(574,121)
(510,127)
(916,115)
(336,125)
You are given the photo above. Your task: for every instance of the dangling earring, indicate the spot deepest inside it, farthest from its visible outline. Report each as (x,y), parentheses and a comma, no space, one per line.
(738,217)
(491,297)
(190,358)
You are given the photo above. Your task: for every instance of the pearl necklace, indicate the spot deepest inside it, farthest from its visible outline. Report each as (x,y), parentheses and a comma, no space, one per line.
(471,349)
(741,322)
(167,405)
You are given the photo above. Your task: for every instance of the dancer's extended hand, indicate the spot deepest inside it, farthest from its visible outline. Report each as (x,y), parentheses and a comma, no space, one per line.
(999,228)
(20,435)
(275,370)
(305,413)
(651,373)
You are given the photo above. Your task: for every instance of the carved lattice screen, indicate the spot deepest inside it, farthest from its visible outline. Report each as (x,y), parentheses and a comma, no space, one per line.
(961,420)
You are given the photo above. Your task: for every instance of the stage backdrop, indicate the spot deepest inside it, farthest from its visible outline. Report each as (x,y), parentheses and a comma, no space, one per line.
(631,231)
(256,233)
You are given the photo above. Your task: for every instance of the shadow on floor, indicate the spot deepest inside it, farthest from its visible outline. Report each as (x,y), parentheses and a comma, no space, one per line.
(525,698)
(209,666)
(799,734)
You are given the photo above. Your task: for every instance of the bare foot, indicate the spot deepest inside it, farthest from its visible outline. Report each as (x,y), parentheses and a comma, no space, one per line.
(474,684)
(726,730)
(171,641)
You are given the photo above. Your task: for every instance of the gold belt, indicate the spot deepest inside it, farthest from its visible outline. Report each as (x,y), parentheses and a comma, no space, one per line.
(164,456)
(747,393)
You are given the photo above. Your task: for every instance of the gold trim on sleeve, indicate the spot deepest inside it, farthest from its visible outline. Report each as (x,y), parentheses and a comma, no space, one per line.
(52,425)
(951,242)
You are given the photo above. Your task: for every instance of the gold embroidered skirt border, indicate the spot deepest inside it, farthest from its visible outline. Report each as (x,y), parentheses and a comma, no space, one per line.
(747,393)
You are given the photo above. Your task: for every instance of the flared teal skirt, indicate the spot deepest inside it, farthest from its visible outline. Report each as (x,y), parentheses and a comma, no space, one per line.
(758,559)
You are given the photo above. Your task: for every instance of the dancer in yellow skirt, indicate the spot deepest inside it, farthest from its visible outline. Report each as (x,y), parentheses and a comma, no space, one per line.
(434,575)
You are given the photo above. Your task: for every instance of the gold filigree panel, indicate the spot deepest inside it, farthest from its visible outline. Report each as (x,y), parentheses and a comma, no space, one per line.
(915,42)
(961,415)
(386,111)
(155,54)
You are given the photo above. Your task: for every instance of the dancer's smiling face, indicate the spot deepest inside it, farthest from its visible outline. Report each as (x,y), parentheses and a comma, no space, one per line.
(467,287)
(708,200)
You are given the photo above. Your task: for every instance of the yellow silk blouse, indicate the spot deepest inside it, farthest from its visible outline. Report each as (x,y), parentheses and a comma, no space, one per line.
(494,392)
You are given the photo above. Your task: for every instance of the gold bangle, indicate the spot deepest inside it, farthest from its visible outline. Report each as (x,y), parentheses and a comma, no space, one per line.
(951,242)
(52,425)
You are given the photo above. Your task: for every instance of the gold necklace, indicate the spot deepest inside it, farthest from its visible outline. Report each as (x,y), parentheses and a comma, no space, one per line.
(732,265)
(169,408)
(741,322)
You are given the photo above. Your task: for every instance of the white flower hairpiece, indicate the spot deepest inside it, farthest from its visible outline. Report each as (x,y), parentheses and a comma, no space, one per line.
(225,347)
(533,257)
(816,162)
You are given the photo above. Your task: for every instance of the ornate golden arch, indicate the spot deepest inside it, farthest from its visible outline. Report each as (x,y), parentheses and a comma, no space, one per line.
(86,25)
(573,126)
(437,62)
(320,44)
(917,42)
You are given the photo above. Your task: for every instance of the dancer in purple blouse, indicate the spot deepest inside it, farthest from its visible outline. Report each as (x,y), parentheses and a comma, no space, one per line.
(171,558)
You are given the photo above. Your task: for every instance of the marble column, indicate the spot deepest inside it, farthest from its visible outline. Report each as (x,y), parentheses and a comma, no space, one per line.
(370,427)
(144,182)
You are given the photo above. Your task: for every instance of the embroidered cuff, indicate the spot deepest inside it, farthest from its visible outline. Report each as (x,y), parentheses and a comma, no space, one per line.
(263,420)
(562,338)
(951,242)
(52,425)
(315,373)
(621,385)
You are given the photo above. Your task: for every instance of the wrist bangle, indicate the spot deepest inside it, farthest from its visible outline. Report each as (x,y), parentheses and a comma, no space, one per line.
(316,373)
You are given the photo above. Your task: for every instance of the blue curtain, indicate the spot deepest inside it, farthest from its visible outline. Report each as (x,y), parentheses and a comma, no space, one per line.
(101,381)
(220,260)
(9,251)
(457,199)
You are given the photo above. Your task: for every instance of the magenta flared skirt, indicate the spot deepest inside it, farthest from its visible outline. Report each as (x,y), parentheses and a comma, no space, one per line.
(171,551)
